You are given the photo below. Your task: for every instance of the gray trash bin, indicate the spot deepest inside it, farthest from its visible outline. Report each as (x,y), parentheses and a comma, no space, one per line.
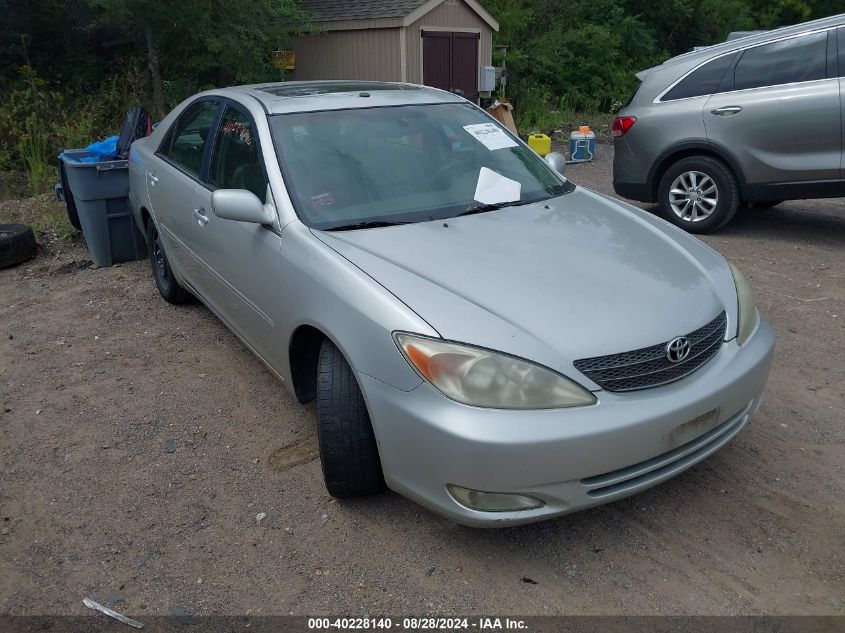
(100,191)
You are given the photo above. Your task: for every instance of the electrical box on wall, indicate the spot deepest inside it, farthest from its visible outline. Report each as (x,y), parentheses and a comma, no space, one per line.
(487,79)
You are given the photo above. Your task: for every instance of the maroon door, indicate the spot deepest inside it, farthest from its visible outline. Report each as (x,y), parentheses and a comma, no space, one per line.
(450,62)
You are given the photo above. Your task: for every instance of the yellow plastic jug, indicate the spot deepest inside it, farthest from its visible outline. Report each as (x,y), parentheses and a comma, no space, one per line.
(540,143)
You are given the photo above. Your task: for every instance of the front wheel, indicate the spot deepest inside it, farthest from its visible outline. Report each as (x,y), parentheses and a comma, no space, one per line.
(348,449)
(698,194)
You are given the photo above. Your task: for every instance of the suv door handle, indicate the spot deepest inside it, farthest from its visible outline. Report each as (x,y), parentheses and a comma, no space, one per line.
(726,110)
(199,214)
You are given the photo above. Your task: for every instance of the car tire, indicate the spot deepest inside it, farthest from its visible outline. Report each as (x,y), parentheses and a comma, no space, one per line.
(687,199)
(168,286)
(17,244)
(348,449)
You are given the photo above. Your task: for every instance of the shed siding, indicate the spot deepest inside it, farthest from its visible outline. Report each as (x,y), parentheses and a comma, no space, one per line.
(456,15)
(368,54)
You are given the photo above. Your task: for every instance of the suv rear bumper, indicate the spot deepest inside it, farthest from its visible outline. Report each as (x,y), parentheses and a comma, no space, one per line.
(634,191)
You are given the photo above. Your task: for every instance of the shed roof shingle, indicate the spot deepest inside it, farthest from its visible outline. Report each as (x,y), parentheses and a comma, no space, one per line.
(343,10)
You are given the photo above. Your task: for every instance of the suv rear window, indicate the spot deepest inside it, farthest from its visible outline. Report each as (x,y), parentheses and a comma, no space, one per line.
(703,81)
(633,94)
(788,61)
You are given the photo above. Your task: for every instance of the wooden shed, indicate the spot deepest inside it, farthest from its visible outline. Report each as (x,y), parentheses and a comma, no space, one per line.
(440,43)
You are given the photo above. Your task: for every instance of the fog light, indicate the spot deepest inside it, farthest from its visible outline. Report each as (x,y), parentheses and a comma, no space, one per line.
(492,501)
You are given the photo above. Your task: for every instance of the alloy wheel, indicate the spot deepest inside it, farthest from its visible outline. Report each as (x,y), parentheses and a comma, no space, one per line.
(693,196)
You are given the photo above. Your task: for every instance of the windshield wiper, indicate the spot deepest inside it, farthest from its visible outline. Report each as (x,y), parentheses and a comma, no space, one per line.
(369,224)
(494,206)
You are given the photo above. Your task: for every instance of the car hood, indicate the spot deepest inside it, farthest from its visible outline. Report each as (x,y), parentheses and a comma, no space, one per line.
(574,277)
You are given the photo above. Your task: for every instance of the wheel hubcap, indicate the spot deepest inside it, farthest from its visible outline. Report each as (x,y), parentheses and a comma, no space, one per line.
(693,196)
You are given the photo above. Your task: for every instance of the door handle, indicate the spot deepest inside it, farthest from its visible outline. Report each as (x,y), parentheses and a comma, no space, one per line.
(199,214)
(726,110)
(152,177)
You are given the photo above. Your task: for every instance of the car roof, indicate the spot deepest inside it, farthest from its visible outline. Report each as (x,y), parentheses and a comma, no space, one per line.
(695,57)
(308,96)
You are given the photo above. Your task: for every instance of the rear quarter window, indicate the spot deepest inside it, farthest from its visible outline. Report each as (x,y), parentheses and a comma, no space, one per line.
(705,80)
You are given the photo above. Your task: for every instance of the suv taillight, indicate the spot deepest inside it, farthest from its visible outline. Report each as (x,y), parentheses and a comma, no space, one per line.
(621,125)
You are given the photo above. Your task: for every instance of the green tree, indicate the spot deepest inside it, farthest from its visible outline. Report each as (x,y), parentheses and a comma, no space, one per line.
(583,54)
(204,42)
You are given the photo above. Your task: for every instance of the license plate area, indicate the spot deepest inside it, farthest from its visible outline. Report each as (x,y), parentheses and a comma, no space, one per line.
(692,429)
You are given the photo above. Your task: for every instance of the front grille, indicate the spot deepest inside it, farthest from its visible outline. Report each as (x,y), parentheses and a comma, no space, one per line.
(649,366)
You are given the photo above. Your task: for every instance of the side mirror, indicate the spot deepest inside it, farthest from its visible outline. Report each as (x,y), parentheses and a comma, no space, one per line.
(242,206)
(556,161)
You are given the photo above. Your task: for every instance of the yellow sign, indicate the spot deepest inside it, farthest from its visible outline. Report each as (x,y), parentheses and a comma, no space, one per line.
(286,60)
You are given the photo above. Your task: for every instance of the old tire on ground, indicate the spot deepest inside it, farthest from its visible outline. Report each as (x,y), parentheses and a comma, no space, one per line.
(168,285)
(699,194)
(17,244)
(348,450)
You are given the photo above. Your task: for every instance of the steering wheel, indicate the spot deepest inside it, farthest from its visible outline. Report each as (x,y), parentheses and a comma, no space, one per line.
(450,165)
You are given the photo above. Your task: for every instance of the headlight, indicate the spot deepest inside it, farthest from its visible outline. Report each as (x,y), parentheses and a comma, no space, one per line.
(482,378)
(747,318)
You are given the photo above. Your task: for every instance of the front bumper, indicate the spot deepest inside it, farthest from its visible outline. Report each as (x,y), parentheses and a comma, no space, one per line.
(569,458)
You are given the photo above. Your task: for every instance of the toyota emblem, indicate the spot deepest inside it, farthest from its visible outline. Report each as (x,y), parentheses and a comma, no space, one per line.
(677,349)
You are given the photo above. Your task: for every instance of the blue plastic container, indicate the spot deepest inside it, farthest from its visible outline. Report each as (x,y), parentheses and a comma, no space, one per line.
(100,191)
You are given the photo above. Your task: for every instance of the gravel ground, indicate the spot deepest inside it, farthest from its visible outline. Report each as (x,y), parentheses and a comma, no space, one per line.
(141,442)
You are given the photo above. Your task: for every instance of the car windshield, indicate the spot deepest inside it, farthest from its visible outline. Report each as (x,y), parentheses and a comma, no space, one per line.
(399,164)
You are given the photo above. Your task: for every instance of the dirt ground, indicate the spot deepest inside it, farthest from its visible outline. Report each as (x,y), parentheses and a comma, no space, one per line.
(140,441)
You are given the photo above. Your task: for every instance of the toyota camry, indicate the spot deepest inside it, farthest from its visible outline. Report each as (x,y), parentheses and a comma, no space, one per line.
(480,334)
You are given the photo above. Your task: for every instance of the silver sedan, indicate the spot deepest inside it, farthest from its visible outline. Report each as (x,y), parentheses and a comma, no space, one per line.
(480,334)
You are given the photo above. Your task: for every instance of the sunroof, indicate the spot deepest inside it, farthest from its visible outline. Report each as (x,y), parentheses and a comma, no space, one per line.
(314,89)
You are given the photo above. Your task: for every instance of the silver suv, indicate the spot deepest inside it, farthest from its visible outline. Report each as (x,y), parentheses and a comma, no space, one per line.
(752,121)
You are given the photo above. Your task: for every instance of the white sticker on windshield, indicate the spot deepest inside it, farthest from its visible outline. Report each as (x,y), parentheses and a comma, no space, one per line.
(493,188)
(490,135)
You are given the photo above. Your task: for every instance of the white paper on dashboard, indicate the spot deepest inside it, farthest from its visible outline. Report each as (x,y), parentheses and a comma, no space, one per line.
(490,135)
(493,188)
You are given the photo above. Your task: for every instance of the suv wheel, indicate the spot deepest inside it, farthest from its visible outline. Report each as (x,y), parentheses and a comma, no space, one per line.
(698,194)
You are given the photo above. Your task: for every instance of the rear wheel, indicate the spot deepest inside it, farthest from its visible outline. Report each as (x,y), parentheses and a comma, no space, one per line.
(166,282)
(698,194)
(348,449)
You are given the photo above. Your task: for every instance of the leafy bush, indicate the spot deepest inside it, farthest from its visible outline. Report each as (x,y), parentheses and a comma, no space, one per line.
(37,121)
(33,148)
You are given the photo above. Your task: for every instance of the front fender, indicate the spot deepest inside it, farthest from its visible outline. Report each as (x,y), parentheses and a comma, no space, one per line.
(327,292)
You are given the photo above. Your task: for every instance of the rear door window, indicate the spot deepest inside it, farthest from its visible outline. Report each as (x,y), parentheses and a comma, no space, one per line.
(841,41)
(186,141)
(789,61)
(703,81)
